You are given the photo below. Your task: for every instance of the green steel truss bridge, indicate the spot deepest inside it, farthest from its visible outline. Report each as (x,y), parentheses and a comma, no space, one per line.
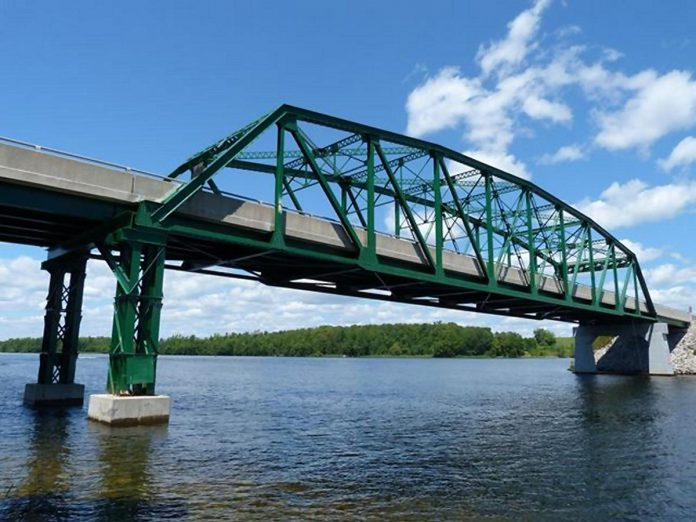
(341,208)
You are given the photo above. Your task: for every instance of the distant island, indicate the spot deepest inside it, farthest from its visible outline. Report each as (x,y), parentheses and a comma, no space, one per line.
(384,340)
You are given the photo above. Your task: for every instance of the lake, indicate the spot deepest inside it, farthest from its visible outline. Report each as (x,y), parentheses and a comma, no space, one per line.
(337,439)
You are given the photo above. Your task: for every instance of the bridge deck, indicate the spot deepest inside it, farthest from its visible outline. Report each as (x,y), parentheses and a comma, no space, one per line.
(81,194)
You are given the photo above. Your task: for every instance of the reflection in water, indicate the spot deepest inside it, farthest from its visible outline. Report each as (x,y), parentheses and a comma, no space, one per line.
(126,479)
(52,486)
(44,494)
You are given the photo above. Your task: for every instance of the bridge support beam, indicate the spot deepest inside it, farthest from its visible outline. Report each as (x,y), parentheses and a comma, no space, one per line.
(59,348)
(635,348)
(130,398)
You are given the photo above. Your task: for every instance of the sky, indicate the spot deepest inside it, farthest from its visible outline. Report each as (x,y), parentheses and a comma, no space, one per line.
(593,101)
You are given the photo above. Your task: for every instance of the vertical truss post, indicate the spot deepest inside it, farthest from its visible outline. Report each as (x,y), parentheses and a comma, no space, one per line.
(397,209)
(135,337)
(564,254)
(531,250)
(579,256)
(492,277)
(59,347)
(597,301)
(624,290)
(437,210)
(617,299)
(371,237)
(636,299)
(593,279)
(278,188)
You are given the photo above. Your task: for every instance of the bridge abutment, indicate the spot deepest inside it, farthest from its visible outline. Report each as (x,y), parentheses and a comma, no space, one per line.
(634,348)
(59,347)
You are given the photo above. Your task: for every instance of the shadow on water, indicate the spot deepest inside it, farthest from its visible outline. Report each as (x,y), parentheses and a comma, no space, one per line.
(56,489)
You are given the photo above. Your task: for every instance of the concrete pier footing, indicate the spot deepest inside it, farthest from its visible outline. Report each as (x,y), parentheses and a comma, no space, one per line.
(637,348)
(118,410)
(54,394)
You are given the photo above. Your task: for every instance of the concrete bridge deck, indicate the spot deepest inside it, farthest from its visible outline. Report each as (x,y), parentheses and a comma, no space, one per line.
(93,192)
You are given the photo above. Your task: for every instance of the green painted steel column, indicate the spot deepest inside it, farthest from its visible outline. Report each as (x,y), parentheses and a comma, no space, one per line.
(530,241)
(593,286)
(564,255)
(492,276)
(437,209)
(597,301)
(278,238)
(135,337)
(397,211)
(617,303)
(624,290)
(371,236)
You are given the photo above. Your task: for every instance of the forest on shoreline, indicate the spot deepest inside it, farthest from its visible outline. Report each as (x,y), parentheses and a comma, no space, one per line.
(384,340)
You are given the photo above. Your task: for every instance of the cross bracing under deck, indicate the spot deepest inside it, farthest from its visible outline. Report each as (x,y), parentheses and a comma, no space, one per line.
(351,210)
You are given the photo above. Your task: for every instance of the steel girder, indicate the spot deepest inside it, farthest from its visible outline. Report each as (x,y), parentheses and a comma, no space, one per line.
(440,199)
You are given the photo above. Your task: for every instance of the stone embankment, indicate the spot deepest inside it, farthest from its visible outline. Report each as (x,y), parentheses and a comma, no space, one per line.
(684,355)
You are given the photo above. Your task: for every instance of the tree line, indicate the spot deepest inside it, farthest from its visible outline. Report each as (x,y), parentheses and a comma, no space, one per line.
(385,340)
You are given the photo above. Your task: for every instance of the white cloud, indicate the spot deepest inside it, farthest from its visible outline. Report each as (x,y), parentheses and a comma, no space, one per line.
(643,253)
(670,274)
(680,297)
(519,79)
(513,49)
(564,154)
(502,161)
(541,109)
(633,202)
(488,112)
(663,105)
(440,102)
(672,285)
(682,155)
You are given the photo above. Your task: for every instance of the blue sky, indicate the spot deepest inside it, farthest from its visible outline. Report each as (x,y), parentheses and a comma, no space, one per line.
(595,101)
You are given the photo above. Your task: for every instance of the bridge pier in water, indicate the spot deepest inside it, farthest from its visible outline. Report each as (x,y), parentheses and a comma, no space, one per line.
(59,348)
(636,348)
(130,397)
(138,266)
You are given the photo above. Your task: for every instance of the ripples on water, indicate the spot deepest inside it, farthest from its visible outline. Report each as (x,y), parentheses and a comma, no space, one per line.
(336,439)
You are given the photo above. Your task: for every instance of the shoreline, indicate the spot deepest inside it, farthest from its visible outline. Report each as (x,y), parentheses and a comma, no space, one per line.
(323,356)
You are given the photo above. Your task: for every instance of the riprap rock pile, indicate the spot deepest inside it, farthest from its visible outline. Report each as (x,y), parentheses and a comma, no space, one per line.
(683,356)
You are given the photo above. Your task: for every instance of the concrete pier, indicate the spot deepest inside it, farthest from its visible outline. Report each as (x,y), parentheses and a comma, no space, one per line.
(638,348)
(54,394)
(118,410)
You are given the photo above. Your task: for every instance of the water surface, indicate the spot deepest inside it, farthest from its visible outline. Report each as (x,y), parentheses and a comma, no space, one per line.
(337,439)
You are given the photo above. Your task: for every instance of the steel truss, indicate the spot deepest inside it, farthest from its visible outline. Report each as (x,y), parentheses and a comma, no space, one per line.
(441,201)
